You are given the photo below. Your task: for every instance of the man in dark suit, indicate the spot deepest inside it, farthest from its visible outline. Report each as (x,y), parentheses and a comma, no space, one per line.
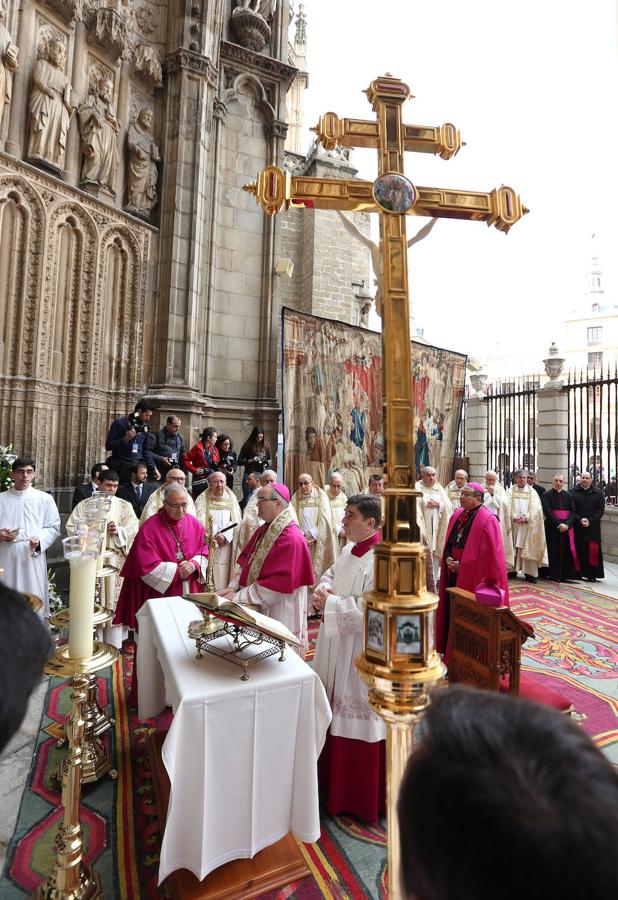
(137,491)
(531,479)
(85,491)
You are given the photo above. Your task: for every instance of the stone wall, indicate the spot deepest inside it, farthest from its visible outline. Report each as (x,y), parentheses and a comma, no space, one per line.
(329,263)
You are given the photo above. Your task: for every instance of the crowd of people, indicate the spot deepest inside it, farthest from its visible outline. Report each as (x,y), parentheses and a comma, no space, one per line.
(298,555)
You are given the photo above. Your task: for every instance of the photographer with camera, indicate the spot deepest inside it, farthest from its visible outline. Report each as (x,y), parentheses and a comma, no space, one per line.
(128,440)
(227,458)
(255,456)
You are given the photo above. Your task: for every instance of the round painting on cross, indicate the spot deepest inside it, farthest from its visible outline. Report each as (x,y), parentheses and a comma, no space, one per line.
(394,193)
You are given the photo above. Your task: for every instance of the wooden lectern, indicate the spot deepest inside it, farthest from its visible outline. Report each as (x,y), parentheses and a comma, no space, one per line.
(484,643)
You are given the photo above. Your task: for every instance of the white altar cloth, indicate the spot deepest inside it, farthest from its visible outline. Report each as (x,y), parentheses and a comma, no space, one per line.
(241,755)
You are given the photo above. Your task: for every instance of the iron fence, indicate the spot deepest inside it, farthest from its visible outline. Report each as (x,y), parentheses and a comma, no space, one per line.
(511,426)
(592,429)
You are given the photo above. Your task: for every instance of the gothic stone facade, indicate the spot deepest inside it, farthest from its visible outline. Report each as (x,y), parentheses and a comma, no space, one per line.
(176,298)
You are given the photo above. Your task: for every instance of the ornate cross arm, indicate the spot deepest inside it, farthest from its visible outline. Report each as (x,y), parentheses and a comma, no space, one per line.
(275,188)
(444,140)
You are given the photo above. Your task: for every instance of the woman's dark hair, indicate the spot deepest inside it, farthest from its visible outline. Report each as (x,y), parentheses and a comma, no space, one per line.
(251,444)
(224,437)
(206,433)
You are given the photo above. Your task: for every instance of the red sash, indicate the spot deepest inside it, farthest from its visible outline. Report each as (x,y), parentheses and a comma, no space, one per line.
(564,514)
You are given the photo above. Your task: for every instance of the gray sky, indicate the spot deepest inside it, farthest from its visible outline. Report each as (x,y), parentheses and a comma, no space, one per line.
(532,88)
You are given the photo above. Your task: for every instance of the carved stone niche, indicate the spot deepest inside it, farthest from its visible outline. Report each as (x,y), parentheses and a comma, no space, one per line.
(250,29)
(147,62)
(108,30)
(69,10)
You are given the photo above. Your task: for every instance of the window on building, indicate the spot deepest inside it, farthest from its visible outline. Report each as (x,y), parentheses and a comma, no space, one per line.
(595,334)
(596,308)
(595,361)
(508,429)
(532,384)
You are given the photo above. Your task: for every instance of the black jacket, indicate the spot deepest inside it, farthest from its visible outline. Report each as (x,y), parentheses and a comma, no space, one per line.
(127,492)
(589,505)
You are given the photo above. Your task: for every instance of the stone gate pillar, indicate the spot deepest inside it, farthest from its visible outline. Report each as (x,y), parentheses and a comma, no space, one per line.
(476,437)
(552,422)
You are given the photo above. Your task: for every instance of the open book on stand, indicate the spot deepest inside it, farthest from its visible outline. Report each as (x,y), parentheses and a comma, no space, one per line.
(230,611)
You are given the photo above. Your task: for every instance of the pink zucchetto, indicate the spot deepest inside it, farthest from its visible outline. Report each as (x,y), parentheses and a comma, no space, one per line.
(475,486)
(281,490)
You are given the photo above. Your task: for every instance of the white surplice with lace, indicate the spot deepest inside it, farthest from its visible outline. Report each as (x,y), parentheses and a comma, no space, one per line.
(340,641)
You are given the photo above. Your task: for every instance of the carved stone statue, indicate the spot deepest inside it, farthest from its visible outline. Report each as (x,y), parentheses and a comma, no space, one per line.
(143,159)
(8,62)
(250,22)
(50,108)
(99,130)
(374,249)
(264,8)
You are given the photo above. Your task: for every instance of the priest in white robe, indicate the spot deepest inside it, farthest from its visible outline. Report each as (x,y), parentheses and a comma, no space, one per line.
(352,765)
(251,518)
(316,522)
(437,511)
(219,503)
(274,569)
(338,502)
(456,486)
(155,501)
(528,528)
(493,485)
(497,503)
(122,526)
(29,525)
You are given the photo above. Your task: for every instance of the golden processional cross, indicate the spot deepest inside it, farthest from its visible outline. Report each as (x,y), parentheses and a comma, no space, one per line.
(399,663)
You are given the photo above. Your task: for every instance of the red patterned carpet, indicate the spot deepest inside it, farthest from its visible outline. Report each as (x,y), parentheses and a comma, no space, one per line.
(575,652)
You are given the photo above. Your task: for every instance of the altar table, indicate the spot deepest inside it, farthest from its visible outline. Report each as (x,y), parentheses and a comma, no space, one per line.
(241,755)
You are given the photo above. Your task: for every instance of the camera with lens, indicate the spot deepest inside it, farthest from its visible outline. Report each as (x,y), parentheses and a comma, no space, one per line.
(136,423)
(228,463)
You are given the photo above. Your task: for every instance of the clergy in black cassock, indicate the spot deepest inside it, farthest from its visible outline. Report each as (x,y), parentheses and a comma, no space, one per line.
(589,509)
(559,509)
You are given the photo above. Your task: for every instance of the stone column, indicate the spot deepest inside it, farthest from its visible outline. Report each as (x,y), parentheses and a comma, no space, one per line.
(25,39)
(476,438)
(79,93)
(552,418)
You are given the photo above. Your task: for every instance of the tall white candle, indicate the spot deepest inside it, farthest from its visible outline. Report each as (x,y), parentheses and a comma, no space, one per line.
(81,606)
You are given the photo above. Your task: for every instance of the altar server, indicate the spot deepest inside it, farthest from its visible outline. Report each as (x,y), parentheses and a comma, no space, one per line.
(274,569)
(168,557)
(122,526)
(316,522)
(437,511)
(526,514)
(352,764)
(29,525)
(220,503)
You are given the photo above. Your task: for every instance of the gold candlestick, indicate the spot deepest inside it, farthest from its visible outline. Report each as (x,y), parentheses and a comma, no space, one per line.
(71,878)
